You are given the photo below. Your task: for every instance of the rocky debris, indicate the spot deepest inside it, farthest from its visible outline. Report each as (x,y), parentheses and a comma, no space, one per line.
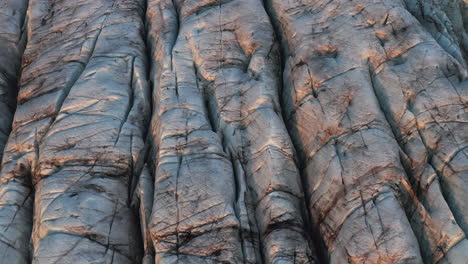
(166,131)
